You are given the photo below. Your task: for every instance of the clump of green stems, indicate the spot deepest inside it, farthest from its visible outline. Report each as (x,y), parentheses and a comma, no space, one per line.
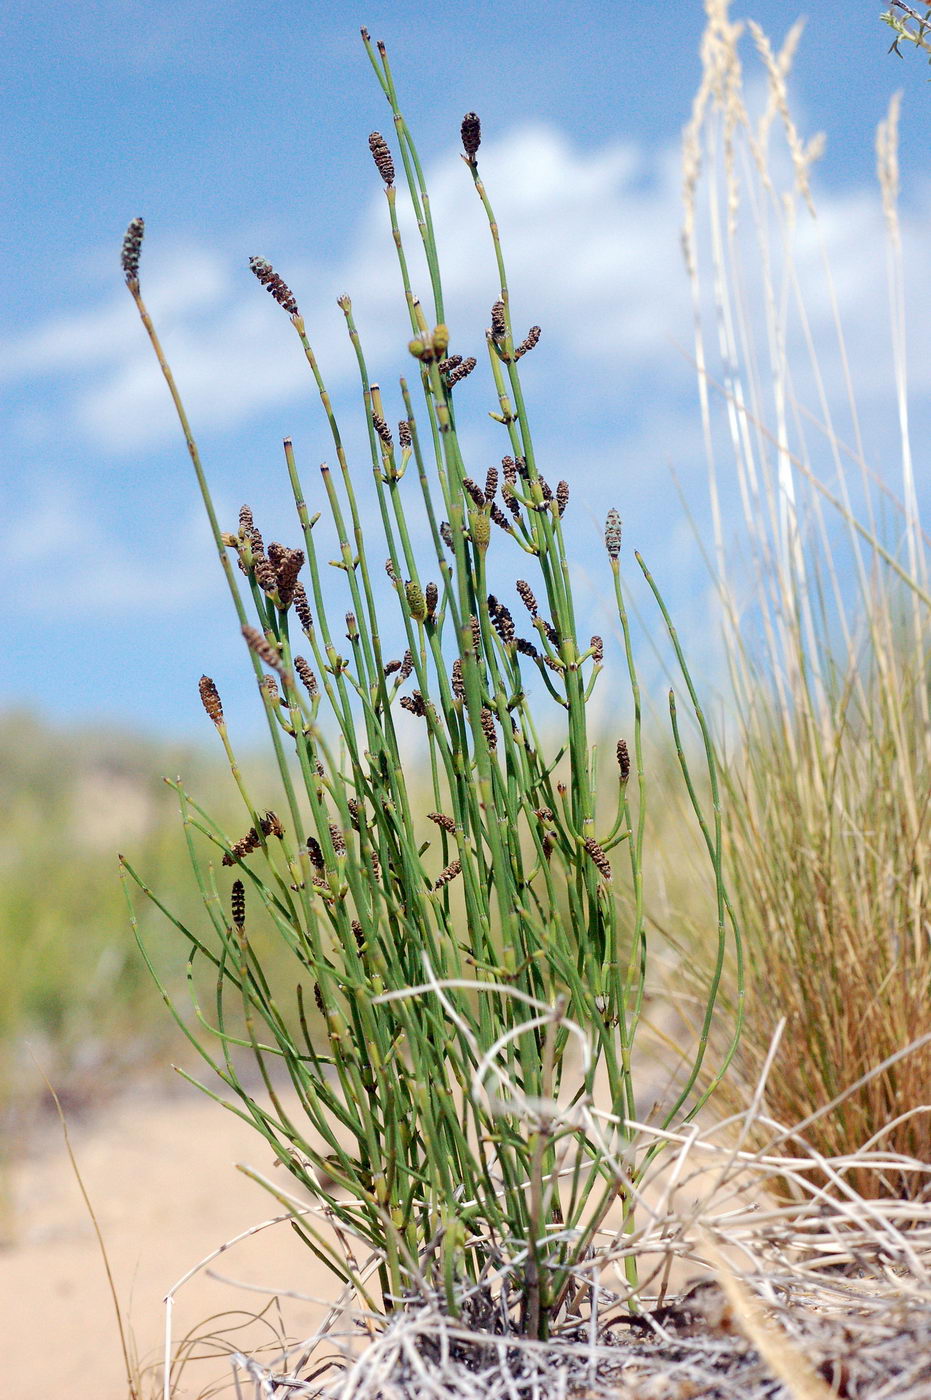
(460,958)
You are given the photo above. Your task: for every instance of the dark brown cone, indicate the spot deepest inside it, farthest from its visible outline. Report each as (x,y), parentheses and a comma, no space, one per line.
(527,596)
(338,839)
(382,429)
(623,759)
(598,649)
(407,665)
(238,904)
(488,728)
(445,876)
(533,336)
(471,133)
(562,497)
(527,648)
(302,607)
(132,247)
(445,822)
(263,649)
(499,327)
(382,157)
(271,825)
(210,698)
(491,483)
(475,491)
(315,853)
(305,671)
(457,683)
(431,598)
(242,847)
(265,575)
(246,522)
(274,285)
(598,856)
(290,565)
(613,533)
(510,500)
(462,371)
(404,433)
(500,519)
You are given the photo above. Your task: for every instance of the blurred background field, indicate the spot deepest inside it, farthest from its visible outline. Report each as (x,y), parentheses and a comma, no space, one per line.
(78,1003)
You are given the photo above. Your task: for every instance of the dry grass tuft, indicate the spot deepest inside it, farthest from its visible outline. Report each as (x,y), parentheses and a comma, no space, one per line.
(826,1294)
(827,631)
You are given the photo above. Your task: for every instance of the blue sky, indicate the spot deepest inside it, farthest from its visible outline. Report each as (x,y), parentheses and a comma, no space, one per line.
(235,131)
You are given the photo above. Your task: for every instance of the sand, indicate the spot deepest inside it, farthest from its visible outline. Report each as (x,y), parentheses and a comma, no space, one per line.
(161,1175)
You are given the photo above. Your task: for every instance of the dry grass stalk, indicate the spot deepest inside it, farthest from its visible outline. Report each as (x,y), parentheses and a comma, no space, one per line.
(827,631)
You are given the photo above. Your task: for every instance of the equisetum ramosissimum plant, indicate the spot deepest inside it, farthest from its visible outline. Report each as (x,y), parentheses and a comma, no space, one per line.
(466,959)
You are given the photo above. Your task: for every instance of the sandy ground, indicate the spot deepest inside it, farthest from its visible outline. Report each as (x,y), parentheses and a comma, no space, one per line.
(160,1173)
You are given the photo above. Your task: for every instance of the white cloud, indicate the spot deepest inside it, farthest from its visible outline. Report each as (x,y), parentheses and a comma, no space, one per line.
(591,244)
(65,563)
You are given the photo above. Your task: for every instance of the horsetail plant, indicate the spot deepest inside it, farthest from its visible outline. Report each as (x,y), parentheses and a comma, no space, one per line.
(468,978)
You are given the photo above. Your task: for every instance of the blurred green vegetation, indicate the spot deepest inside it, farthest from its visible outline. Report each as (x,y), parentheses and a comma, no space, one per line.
(78,1003)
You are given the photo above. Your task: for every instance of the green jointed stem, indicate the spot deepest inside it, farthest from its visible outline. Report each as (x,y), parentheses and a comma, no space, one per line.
(501,898)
